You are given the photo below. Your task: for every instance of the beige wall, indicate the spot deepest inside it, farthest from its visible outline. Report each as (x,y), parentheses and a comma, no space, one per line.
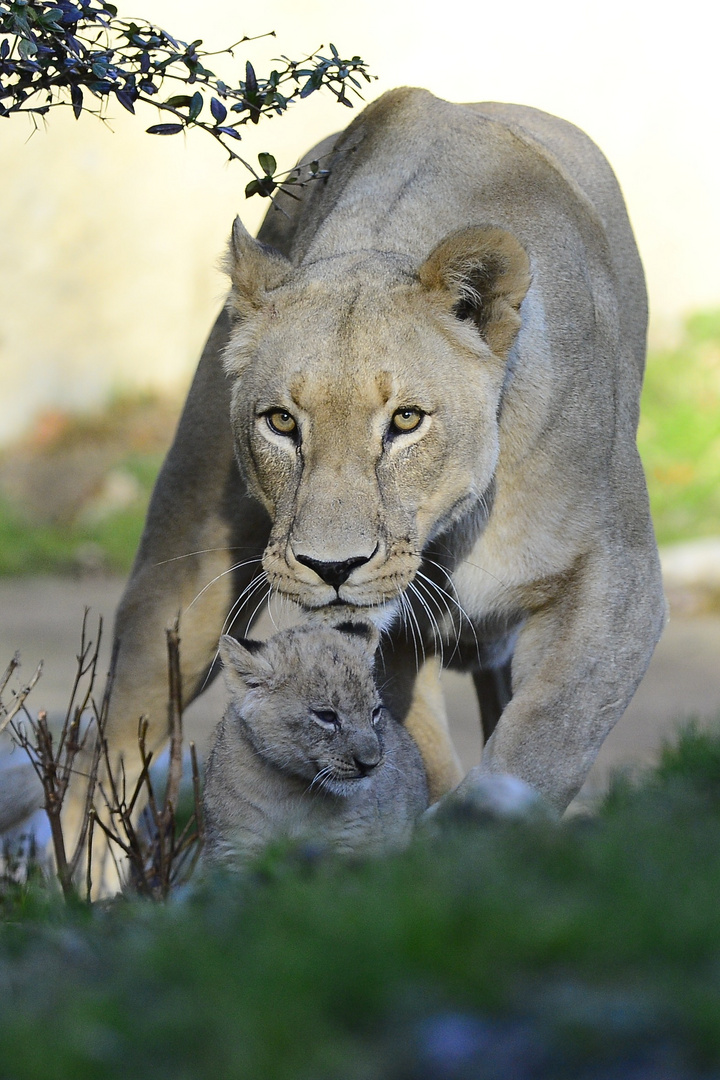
(109,241)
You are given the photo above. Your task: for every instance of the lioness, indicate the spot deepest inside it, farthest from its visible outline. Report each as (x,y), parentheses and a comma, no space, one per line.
(421,400)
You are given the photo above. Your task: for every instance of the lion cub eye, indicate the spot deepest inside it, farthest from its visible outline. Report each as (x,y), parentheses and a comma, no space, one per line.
(405,420)
(281,422)
(326,718)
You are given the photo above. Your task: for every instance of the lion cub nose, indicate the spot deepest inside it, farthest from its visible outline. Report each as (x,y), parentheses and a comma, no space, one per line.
(364,765)
(332,573)
(366,752)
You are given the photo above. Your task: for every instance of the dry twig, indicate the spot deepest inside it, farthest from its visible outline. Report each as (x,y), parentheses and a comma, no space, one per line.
(159,855)
(8,713)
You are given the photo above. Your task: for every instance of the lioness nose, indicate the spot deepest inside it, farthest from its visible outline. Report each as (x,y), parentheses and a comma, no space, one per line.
(333,573)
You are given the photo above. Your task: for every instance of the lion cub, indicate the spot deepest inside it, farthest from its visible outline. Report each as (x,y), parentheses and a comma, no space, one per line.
(306,748)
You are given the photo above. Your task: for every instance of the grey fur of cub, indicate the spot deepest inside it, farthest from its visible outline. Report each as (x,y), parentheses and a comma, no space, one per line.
(306,749)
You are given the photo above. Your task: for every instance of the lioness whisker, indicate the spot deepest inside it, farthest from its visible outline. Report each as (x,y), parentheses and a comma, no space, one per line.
(252,587)
(428,584)
(264,600)
(454,599)
(230,570)
(463,562)
(431,619)
(206,551)
(414,627)
(232,615)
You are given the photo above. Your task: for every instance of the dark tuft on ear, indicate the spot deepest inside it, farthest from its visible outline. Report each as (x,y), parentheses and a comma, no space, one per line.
(485,274)
(251,645)
(244,663)
(363,630)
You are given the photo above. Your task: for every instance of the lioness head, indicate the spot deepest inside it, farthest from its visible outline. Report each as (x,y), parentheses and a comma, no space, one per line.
(365,403)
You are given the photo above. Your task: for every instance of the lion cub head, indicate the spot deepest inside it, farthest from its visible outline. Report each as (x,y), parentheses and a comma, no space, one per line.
(365,403)
(309,704)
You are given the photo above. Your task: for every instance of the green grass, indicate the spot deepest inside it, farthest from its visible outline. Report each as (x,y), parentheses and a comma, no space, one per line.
(530,951)
(129,438)
(49,548)
(679,436)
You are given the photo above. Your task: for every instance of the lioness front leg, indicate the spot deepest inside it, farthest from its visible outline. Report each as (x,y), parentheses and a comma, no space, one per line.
(576,665)
(416,698)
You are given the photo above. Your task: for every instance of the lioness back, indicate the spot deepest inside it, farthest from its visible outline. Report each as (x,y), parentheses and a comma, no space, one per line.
(306,749)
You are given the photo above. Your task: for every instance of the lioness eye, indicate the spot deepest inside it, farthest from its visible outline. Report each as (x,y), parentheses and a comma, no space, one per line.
(405,420)
(326,718)
(376,715)
(281,422)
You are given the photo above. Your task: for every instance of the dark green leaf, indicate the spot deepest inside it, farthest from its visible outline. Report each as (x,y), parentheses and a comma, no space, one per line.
(218,110)
(268,164)
(179,101)
(196,106)
(76,96)
(264,186)
(251,86)
(27,48)
(126,99)
(165,129)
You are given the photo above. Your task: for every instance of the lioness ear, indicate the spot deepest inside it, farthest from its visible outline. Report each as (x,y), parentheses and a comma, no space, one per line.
(486,273)
(243,663)
(253,268)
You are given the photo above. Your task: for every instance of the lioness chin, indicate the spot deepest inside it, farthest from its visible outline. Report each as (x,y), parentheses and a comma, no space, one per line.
(421,400)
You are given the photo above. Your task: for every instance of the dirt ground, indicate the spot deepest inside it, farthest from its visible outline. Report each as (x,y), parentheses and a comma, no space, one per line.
(41,618)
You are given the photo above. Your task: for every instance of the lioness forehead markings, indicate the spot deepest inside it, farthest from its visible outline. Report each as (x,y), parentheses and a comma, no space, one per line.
(385,384)
(296,385)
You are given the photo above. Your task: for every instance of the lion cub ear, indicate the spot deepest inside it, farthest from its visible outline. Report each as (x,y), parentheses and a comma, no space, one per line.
(253,268)
(244,666)
(486,273)
(364,633)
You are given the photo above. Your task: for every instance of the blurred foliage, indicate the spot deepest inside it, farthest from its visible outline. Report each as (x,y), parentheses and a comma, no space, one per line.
(74,491)
(77,53)
(587,949)
(679,436)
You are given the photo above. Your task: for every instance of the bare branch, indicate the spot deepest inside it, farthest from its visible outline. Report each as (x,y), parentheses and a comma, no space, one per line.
(175,709)
(8,713)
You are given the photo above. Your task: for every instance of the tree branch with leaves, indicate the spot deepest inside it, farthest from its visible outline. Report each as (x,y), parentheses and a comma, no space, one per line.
(80,54)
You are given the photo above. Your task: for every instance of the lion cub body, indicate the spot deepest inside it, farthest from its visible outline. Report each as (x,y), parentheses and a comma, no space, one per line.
(306,749)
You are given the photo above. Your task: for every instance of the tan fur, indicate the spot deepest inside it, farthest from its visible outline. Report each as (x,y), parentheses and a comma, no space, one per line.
(473,262)
(277,768)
